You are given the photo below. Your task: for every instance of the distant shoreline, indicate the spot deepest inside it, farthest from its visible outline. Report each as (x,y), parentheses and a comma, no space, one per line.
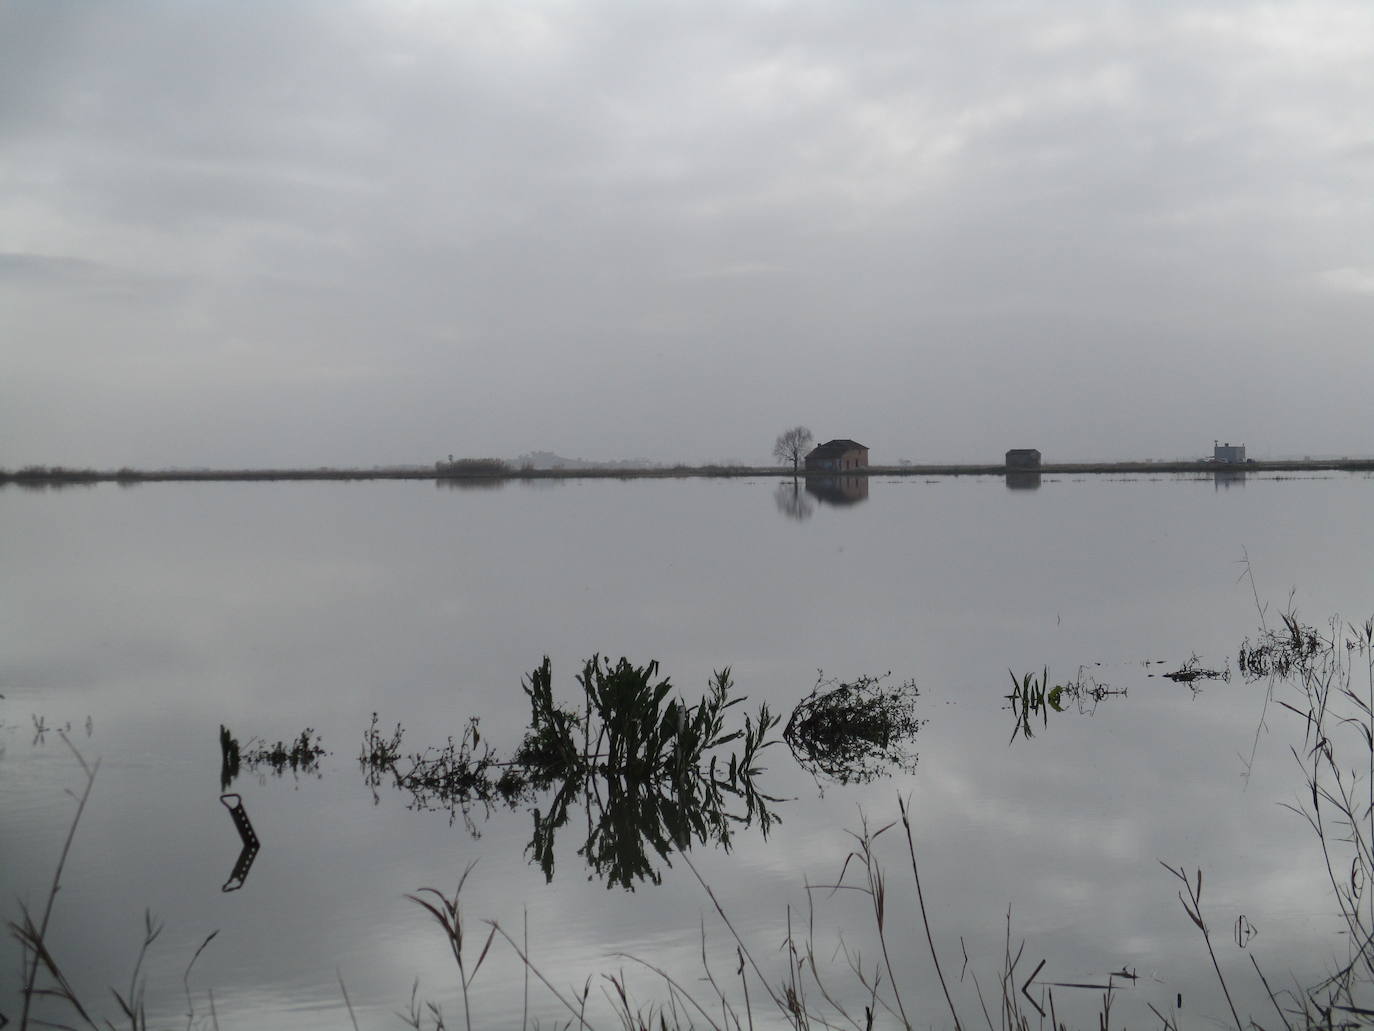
(58,475)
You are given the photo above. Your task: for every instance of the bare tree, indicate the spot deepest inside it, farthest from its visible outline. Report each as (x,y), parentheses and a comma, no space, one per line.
(791,445)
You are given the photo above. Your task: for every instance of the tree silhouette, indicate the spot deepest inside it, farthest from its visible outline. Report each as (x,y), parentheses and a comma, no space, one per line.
(791,445)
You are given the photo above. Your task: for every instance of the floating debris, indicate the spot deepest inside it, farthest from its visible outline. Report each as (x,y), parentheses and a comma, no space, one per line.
(1193,670)
(248,837)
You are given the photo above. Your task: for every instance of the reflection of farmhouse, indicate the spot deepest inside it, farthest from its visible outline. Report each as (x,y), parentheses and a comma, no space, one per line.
(838,490)
(836,456)
(1023,458)
(1228,454)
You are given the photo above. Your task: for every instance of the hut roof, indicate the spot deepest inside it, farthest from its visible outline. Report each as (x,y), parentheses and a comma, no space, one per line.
(836,448)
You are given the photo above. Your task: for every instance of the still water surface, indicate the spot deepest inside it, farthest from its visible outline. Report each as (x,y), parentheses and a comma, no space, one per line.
(144,618)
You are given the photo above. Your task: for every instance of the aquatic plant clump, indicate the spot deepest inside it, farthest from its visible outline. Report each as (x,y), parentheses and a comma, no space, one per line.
(643,765)
(1193,670)
(1281,652)
(460,773)
(852,733)
(646,766)
(301,755)
(1032,695)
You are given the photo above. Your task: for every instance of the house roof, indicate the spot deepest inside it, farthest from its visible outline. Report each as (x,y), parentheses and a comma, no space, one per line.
(836,448)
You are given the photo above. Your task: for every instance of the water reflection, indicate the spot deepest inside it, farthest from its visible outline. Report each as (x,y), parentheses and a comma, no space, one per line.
(852,733)
(1023,479)
(838,490)
(1032,699)
(647,768)
(792,502)
(301,755)
(249,838)
(470,482)
(1225,479)
(631,821)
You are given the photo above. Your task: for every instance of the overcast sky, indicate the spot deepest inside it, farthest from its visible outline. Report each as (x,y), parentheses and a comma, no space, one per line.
(253,233)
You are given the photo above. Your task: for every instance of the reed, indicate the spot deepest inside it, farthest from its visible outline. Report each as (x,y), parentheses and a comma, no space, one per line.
(43,977)
(448,913)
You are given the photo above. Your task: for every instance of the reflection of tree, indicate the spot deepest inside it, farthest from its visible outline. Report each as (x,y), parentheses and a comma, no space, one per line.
(793,502)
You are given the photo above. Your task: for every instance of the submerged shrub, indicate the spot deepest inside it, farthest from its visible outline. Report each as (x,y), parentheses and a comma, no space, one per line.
(854,732)
(472,467)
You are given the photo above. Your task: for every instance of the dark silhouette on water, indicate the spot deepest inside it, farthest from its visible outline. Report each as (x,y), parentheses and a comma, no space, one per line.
(249,837)
(648,769)
(854,732)
(792,502)
(838,490)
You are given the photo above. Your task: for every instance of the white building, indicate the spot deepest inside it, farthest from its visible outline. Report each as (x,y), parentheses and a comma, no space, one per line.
(1231,455)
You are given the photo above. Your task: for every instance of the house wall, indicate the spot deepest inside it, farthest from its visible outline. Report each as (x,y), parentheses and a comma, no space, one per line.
(854,458)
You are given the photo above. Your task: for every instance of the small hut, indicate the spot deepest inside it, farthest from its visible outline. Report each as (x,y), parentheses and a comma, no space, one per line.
(1023,458)
(1228,453)
(837,456)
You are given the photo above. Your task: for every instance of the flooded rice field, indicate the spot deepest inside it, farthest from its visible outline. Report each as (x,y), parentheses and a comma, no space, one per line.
(648,726)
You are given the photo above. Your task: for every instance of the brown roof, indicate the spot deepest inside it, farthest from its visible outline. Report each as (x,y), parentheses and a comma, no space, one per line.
(836,448)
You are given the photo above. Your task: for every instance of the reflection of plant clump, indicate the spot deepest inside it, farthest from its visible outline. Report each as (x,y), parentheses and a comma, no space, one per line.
(1192,670)
(448,779)
(302,755)
(852,733)
(460,772)
(1032,696)
(643,765)
(228,757)
(380,752)
(1280,652)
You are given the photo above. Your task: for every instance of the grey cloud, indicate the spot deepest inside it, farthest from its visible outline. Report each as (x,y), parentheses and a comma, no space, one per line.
(694,208)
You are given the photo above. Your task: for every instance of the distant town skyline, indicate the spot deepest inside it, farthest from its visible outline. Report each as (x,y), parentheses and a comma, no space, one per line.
(357,234)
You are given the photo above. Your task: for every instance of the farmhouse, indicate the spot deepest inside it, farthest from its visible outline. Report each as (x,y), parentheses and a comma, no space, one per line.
(837,456)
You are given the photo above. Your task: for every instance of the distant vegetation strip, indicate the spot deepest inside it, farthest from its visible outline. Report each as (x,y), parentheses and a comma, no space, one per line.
(496,469)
